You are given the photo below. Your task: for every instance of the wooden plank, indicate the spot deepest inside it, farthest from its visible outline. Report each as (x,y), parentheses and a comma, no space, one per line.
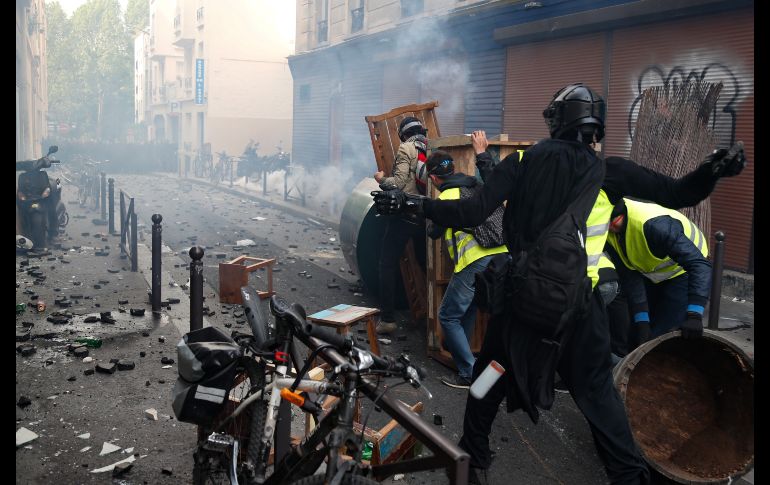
(342,314)
(401,110)
(441,266)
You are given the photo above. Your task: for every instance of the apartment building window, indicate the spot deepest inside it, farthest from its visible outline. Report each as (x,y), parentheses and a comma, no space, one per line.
(200,49)
(357,16)
(177,22)
(304,93)
(411,7)
(199,14)
(322,14)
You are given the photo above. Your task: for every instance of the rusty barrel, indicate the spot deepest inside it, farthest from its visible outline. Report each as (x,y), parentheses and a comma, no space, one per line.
(361,233)
(690,404)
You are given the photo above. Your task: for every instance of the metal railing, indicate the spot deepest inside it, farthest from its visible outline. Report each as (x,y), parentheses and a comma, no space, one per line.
(128,229)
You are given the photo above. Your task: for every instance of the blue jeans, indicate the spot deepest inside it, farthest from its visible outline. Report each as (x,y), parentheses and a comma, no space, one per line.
(667,301)
(457,315)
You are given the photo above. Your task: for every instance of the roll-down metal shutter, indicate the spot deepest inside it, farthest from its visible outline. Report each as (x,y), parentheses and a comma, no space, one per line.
(535,71)
(712,47)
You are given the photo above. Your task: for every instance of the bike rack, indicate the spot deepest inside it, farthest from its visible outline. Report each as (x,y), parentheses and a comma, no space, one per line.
(128,229)
(446,454)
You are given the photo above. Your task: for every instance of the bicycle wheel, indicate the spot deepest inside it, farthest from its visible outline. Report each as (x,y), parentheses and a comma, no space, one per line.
(211,467)
(346,480)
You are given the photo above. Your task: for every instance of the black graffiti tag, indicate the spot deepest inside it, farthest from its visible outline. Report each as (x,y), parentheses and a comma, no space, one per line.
(724,112)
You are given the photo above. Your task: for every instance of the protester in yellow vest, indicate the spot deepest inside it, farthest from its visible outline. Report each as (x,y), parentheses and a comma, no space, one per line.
(457,313)
(661,258)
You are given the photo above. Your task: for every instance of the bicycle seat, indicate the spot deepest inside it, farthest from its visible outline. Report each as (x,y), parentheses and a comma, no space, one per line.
(293,313)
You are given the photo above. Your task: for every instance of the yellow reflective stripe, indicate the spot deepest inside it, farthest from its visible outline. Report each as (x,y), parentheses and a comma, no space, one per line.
(597,230)
(659,277)
(698,234)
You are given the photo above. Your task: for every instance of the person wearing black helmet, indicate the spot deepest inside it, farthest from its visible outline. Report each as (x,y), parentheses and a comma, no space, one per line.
(538,190)
(408,176)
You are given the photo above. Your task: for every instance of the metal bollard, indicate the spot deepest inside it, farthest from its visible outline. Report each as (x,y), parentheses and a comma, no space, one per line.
(104,196)
(196,288)
(111,208)
(156,260)
(716,280)
(134,244)
(264,182)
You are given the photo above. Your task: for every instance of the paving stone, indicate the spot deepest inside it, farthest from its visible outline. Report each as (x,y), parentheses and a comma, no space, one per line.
(106,368)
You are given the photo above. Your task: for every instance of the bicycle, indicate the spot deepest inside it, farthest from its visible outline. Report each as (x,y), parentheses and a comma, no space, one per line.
(235,446)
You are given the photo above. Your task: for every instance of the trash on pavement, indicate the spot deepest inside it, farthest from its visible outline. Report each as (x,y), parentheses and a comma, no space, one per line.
(24,436)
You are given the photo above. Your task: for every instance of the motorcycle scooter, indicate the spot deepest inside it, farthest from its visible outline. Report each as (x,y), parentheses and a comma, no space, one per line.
(35,198)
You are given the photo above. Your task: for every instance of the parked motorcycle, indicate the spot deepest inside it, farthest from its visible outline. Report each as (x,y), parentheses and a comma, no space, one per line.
(41,210)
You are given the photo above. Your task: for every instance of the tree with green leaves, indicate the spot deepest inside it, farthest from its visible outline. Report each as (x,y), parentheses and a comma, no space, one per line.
(90,61)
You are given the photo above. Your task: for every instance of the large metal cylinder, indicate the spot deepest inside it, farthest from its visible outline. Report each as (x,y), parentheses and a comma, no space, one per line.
(690,403)
(361,233)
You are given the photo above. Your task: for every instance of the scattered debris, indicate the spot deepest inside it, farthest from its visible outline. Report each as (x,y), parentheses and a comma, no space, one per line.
(124,364)
(137,312)
(83,450)
(88,360)
(23,402)
(384,341)
(109,468)
(151,413)
(24,436)
(106,368)
(26,349)
(108,448)
(84,436)
(438,420)
(121,468)
(245,243)
(167,471)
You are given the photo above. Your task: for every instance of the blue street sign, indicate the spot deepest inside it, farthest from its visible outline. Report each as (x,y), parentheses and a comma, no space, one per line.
(198,81)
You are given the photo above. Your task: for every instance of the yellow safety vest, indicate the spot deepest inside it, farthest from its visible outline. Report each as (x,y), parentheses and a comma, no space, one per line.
(468,249)
(637,255)
(597,225)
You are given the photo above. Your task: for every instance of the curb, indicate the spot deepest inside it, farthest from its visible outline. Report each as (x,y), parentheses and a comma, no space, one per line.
(738,284)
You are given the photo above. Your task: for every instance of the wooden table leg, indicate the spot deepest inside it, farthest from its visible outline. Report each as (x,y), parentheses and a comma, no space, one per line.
(371,330)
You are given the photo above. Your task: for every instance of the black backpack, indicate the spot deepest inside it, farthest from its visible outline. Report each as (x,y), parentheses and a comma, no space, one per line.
(489,234)
(549,285)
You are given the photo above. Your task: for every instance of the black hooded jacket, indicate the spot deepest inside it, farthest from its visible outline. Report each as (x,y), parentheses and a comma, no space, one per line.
(537,190)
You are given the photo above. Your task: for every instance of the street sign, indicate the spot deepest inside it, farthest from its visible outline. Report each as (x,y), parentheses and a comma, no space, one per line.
(198,81)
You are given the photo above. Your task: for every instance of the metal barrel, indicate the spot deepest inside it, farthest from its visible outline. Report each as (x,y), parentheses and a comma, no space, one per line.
(361,232)
(690,404)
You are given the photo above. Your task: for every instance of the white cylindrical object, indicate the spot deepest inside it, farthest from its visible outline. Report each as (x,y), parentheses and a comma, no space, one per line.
(487,379)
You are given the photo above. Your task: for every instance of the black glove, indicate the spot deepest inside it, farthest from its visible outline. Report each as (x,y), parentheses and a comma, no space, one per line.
(643,332)
(395,201)
(693,326)
(727,163)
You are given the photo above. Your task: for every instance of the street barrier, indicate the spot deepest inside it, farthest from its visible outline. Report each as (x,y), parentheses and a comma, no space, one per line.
(196,288)
(156,261)
(716,280)
(128,229)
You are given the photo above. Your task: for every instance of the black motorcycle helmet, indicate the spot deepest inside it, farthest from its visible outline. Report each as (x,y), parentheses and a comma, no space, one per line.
(409,127)
(576,113)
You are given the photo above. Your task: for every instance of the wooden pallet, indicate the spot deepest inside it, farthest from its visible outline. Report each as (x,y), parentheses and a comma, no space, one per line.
(440,266)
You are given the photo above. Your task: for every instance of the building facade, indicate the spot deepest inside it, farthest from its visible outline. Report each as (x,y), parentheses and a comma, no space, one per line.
(218,76)
(31,79)
(495,64)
